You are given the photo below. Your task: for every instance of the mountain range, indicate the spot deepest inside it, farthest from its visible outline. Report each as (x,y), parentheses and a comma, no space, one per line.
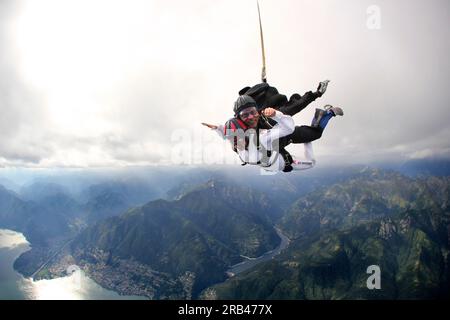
(130,238)
(377,218)
(204,232)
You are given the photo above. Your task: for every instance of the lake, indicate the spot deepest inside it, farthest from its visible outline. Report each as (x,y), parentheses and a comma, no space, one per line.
(13,286)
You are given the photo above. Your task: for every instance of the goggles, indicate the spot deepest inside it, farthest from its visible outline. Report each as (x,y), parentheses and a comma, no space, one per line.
(245,114)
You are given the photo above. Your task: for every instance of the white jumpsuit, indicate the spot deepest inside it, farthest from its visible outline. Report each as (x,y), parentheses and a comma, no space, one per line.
(284,127)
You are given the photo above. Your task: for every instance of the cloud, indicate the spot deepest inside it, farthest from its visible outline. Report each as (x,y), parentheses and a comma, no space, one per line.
(20,106)
(111,91)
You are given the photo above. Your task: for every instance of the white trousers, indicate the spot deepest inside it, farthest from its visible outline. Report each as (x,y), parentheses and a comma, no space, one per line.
(308,161)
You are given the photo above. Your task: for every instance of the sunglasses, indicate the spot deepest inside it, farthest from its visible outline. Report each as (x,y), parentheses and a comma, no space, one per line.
(247,114)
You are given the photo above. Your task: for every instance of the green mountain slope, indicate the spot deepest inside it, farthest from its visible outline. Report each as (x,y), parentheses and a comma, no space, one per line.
(203,233)
(379,218)
(369,195)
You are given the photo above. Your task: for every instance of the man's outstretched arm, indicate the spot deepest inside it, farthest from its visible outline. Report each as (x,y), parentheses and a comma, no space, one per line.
(218,129)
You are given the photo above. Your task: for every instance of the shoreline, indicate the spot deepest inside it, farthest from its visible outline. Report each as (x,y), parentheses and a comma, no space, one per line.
(56,268)
(120,278)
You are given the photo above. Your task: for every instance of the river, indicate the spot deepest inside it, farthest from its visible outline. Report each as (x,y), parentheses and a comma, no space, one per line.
(252,262)
(13,286)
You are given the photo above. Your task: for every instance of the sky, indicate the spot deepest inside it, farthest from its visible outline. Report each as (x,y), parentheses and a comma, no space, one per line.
(123,83)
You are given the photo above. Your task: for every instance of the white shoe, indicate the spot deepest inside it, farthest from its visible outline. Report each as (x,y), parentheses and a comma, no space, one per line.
(303,164)
(322,87)
(336,110)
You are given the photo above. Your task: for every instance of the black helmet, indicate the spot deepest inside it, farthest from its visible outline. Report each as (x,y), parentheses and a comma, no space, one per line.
(242,103)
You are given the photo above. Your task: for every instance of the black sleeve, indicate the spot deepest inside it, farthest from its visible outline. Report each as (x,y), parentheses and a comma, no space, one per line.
(294,106)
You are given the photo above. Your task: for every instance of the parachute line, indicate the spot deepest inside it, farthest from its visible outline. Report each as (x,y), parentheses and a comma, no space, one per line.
(263,72)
